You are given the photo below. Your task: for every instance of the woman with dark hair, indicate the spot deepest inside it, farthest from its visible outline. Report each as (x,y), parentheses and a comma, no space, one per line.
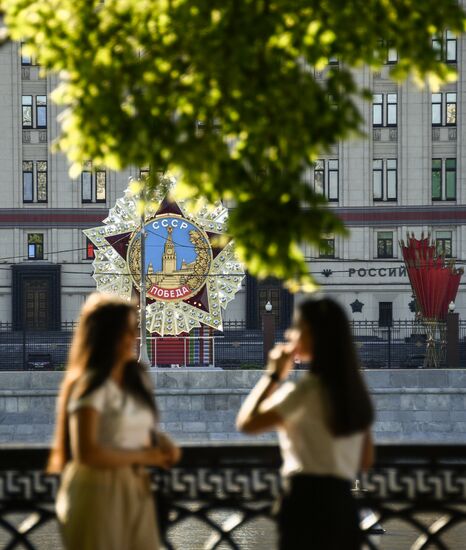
(105,425)
(323,422)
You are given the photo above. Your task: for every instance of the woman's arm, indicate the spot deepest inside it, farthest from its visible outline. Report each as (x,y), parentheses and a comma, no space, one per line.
(167,445)
(251,419)
(367,454)
(83,431)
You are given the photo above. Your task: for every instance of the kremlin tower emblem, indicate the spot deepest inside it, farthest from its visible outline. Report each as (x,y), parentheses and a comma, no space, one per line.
(191,273)
(181,270)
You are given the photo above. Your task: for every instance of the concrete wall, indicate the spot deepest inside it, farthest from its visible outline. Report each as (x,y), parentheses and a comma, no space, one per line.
(201,404)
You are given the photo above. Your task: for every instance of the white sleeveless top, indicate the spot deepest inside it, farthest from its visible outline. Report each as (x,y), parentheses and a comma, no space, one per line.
(306,443)
(125,422)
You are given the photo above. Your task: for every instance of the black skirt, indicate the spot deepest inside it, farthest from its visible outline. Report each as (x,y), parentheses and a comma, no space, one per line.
(318,513)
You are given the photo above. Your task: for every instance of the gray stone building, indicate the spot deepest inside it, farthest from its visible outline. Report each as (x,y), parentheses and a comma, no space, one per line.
(408,175)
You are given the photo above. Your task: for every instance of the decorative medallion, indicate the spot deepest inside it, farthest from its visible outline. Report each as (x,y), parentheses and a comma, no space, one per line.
(190,276)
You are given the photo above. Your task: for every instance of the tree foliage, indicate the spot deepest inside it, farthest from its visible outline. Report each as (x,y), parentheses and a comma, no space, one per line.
(223,93)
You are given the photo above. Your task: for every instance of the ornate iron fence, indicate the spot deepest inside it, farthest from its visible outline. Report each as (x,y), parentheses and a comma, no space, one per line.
(229,490)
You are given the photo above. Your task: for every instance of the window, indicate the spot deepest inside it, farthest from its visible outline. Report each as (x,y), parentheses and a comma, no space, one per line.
(26,106)
(392,55)
(100,186)
(450,47)
(385,314)
(35,246)
(39,191)
(326,179)
(392,180)
(392,100)
(436,109)
(319,177)
(450,109)
(377,179)
(42,180)
(437,47)
(90,250)
(93,184)
(327,247)
(443,179)
(387,53)
(25,59)
(445,46)
(41,111)
(443,243)
(450,179)
(385,244)
(86,186)
(436,179)
(384,188)
(28,181)
(144,173)
(377,110)
(332,180)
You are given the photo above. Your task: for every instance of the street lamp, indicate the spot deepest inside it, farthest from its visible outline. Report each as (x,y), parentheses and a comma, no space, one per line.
(143,356)
(268,328)
(453,337)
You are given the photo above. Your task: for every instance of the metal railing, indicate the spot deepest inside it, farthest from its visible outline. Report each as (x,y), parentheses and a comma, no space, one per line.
(414,497)
(405,343)
(34,350)
(402,345)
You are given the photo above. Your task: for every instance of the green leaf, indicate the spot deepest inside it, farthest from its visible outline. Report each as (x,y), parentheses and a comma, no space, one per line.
(137,75)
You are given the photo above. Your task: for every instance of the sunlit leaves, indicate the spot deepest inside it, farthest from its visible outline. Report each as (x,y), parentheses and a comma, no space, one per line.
(224,94)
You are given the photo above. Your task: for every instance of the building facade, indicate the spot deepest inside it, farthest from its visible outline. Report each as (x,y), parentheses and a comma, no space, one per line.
(408,175)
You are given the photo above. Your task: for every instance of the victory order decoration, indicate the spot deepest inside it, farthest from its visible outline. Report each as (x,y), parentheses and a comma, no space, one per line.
(191,274)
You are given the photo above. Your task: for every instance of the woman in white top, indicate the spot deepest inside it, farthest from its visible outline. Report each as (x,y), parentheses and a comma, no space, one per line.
(106,418)
(323,423)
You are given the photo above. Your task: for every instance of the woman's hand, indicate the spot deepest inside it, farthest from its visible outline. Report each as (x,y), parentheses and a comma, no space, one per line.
(87,450)
(281,360)
(167,445)
(156,456)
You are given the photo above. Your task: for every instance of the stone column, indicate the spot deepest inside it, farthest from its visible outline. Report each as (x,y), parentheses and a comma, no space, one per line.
(268,330)
(453,351)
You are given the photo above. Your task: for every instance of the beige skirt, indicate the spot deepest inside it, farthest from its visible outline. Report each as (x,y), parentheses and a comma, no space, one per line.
(106,509)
